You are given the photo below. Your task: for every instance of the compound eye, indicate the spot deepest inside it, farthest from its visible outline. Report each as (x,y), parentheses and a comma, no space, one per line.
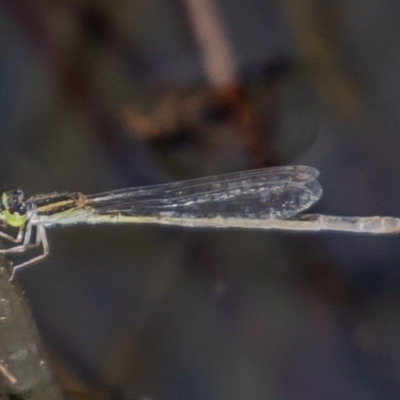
(18,209)
(16,195)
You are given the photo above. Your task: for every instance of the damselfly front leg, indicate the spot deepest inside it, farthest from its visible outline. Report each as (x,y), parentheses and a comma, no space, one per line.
(41,238)
(17,239)
(25,244)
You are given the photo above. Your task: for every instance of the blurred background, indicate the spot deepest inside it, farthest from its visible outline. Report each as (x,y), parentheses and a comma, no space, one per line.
(99,95)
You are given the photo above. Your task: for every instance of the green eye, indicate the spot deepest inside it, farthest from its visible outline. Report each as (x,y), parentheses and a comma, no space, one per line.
(15,219)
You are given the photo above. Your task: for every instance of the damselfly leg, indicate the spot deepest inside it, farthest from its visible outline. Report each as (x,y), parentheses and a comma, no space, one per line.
(26,239)
(41,238)
(25,236)
(17,239)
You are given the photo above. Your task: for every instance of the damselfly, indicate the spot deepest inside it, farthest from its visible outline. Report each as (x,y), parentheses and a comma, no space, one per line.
(270,198)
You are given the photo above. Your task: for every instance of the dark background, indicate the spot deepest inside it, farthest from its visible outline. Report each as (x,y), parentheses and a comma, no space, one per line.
(98,95)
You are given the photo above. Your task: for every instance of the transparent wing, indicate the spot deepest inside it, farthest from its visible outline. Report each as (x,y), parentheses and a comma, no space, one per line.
(280,192)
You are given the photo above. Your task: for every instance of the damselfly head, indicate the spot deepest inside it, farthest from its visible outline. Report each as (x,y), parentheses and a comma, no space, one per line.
(13,209)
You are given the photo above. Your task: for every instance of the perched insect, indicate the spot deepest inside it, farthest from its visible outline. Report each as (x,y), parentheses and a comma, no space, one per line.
(269,198)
